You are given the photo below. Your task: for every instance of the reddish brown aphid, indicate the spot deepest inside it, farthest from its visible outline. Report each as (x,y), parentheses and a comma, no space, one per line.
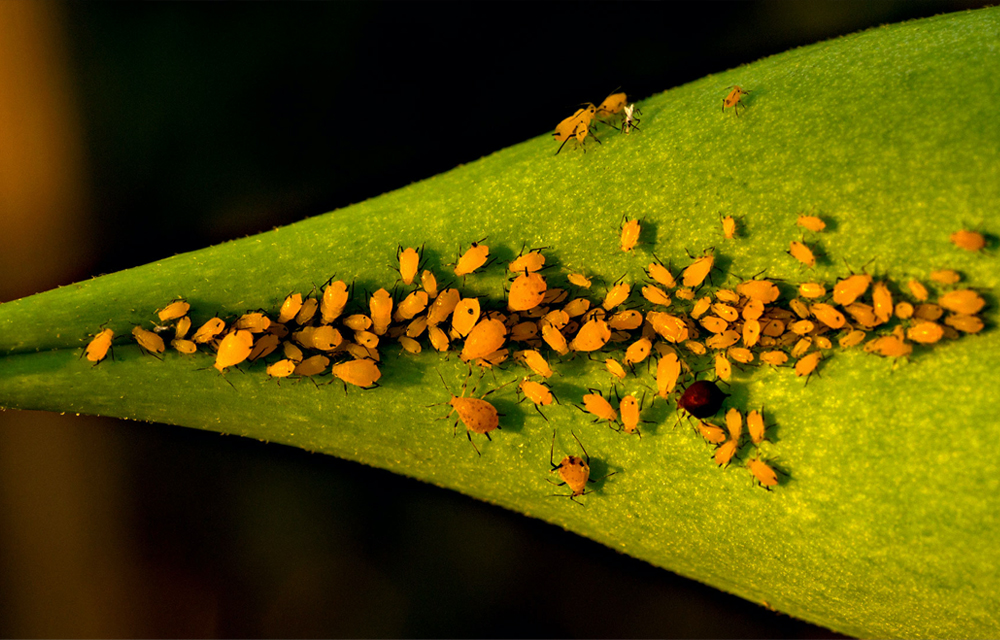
(702,399)
(734,99)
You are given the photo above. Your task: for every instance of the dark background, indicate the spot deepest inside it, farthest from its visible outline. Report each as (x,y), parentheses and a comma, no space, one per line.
(192,124)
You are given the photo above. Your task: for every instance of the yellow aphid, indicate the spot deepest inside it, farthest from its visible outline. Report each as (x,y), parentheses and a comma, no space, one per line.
(428,281)
(889,347)
(263,347)
(812,290)
(763,290)
(723,340)
(555,339)
(438,338)
(917,290)
(726,312)
(292,352)
(614,368)
(537,392)
(670,328)
(312,366)
(290,308)
(734,424)
(773,328)
(524,331)
(695,347)
(637,351)
(711,433)
(443,306)
(925,332)
(850,289)
(334,300)
(728,227)
(592,336)
(97,348)
(381,311)
(700,307)
(186,347)
(555,295)
(964,322)
(928,311)
(725,452)
(307,311)
(762,473)
(774,358)
(741,355)
(801,347)
(576,126)
(964,301)
(472,259)
(411,305)
(358,322)
(723,368)
(577,307)
(753,310)
(799,306)
(485,338)
(281,368)
(630,234)
(685,293)
(416,327)
(527,262)
(366,339)
(574,472)
(807,364)
(656,295)
(945,276)
(697,271)
(904,310)
(409,263)
(326,338)
(255,322)
(863,314)
(853,338)
(595,404)
(535,362)
(234,349)
(626,320)
(526,292)
(756,427)
(802,253)
(668,369)
(579,280)
(477,414)
(278,329)
(714,324)
(734,99)
(629,408)
(174,310)
(466,316)
(360,373)
(661,274)
(182,327)
(968,240)
(882,301)
(812,223)
(828,315)
(148,340)
(616,295)
(612,105)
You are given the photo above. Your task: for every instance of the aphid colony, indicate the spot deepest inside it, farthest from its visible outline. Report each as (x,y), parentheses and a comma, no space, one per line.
(614,112)
(676,322)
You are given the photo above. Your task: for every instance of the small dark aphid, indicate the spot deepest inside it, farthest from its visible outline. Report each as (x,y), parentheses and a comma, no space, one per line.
(702,399)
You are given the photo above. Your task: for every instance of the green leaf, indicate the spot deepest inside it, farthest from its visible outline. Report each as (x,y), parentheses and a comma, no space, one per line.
(886,525)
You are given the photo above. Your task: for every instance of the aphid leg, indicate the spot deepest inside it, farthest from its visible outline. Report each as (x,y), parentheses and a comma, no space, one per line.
(469,433)
(540,412)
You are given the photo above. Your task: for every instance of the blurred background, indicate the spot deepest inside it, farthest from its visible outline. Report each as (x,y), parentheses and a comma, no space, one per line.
(130,132)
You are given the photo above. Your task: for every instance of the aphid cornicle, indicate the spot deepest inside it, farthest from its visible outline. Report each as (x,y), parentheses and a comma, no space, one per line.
(97,348)
(734,99)
(574,471)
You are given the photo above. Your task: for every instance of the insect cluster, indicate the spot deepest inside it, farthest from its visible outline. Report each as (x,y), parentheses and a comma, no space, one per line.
(614,112)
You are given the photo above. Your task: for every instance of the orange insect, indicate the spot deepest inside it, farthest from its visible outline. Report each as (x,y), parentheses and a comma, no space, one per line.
(577,126)
(592,336)
(579,280)
(756,426)
(485,338)
(812,290)
(964,301)
(360,373)
(174,310)
(575,473)
(477,414)
(763,473)
(97,348)
(535,362)
(527,262)
(697,271)
(802,253)
(763,290)
(290,307)
(526,292)
(234,349)
(409,263)
(148,340)
(612,105)
(946,276)
(334,300)
(968,240)
(615,368)
(472,259)
(617,295)
(630,408)
(539,394)
(734,99)
(630,230)
(812,223)
(806,365)
(661,274)
(850,289)
(728,227)
(595,404)
(381,310)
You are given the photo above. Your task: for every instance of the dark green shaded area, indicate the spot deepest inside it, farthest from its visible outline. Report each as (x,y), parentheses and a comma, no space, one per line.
(884,526)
